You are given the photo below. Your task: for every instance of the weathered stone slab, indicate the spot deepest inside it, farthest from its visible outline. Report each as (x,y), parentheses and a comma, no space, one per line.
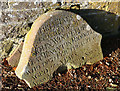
(57,38)
(103,22)
(14,56)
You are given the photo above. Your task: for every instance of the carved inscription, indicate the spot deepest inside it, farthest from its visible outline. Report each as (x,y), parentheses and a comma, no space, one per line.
(60,40)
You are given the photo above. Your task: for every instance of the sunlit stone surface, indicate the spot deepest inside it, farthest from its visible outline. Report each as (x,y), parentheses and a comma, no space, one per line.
(57,38)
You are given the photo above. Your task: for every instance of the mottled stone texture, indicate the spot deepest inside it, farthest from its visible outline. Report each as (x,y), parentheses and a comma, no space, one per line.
(16,20)
(107,6)
(17,17)
(3,5)
(57,38)
(14,55)
(101,21)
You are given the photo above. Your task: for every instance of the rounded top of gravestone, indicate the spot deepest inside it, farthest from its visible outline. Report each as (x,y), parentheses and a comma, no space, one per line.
(57,38)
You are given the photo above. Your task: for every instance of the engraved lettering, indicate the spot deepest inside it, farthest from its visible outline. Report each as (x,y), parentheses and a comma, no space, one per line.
(60,40)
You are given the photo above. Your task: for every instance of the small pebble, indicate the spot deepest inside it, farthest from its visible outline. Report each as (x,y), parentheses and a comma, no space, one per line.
(100,62)
(84,68)
(73,71)
(89,77)
(96,79)
(101,76)
(110,80)
(7,87)
(107,63)
(59,74)
(75,75)
(113,85)
(89,86)
(19,85)
(12,73)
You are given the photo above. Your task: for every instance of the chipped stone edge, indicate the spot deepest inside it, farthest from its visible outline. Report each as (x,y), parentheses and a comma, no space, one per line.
(29,40)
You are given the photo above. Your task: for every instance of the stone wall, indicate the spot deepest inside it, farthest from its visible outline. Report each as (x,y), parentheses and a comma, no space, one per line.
(17,18)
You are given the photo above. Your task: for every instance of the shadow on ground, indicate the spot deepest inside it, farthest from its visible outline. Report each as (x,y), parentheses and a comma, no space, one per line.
(105,23)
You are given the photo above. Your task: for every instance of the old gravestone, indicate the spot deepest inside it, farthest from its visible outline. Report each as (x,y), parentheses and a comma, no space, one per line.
(57,38)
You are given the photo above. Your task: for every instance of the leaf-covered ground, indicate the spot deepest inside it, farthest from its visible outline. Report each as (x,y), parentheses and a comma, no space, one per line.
(105,74)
